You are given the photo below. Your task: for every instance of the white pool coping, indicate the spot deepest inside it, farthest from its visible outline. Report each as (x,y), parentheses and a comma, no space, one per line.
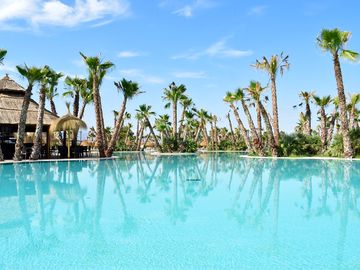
(175,154)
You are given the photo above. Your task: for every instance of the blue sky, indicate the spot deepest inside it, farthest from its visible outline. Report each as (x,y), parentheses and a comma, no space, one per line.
(208,45)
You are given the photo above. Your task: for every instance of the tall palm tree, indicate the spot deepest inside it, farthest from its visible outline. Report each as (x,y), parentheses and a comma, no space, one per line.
(145,111)
(2,56)
(256,134)
(129,90)
(322,103)
(334,41)
(230,98)
(163,125)
(87,97)
(204,118)
(186,103)
(306,97)
(276,64)
(333,119)
(47,81)
(32,75)
(231,128)
(173,95)
(354,101)
(97,70)
(302,124)
(255,91)
(51,91)
(75,87)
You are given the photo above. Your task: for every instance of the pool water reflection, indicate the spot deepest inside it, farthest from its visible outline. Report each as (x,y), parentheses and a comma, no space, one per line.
(180,212)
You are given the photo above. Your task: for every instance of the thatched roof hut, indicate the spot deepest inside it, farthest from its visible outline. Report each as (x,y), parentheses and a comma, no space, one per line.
(11,99)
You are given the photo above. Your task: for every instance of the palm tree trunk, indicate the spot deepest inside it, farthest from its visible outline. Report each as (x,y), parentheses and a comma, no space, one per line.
(212,135)
(116,133)
(197,134)
(331,127)
(257,142)
(181,127)
(141,133)
(127,134)
(36,150)
(205,135)
(22,124)
(158,146)
(323,129)
(258,120)
(52,106)
(175,120)
(275,110)
(241,127)
(352,118)
(98,118)
(270,134)
(231,129)
(82,110)
(348,151)
(308,119)
(76,104)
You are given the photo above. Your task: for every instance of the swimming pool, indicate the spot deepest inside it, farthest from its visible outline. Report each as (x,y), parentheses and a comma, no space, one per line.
(208,211)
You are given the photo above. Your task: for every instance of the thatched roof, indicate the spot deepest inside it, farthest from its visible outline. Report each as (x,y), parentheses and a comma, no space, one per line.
(11,99)
(9,85)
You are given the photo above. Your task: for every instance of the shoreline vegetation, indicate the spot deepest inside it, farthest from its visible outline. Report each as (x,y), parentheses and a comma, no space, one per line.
(256,129)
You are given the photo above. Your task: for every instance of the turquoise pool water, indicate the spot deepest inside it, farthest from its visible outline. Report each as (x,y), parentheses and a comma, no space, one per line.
(211,211)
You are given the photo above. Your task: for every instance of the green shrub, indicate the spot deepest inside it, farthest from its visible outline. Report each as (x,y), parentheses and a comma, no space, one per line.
(171,145)
(298,144)
(337,147)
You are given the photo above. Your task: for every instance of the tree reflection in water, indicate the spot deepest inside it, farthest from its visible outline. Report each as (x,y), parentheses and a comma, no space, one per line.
(73,197)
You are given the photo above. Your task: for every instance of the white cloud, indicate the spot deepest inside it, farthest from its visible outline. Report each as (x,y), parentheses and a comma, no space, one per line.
(139,74)
(190,75)
(128,54)
(218,49)
(257,10)
(189,9)
(34,13)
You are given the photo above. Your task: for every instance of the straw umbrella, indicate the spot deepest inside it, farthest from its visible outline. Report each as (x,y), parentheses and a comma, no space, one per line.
(68,123)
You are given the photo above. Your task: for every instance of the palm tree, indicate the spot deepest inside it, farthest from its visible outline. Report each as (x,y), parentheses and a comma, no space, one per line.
(230,98)
(163,125)
(87,97)
(231,128)
(256,135)
(173,95)
(273,66)
(75,87)
(322,103)
(116,115)
(186,103)
(145,111)
(354,101)
(97,70)
(129,90)
(32,75)
(2,56)
(51,91)
(334,41)
(49,76)
(302,124)
(333,119)
(204,117)
(254,90)
(306,96)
